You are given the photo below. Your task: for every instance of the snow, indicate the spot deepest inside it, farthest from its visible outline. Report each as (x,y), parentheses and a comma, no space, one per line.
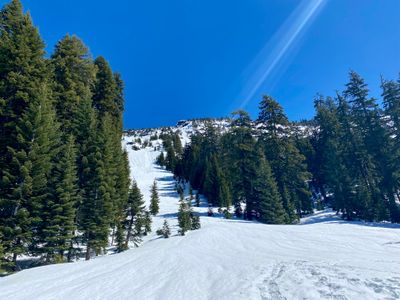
(321,258)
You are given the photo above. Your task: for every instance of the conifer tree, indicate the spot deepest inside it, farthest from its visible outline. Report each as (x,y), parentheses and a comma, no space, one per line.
(146,223)
(285,159)
(391,104)
(154,199)
(59,210)
(122,185)
(267,196)
(92,221)
(136,216)
(240,160)
(120,238)
(330,170)
(106,91)
(184,218)
(161,159)
(73,76)
(195,222)
(369,139)
(37,131)
(165,232)
(215,186)
(23,75)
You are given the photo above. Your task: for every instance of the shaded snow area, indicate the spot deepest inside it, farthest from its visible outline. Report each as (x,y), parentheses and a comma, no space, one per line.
(321,258)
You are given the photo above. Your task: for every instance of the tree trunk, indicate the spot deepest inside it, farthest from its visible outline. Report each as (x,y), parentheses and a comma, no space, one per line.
(129,231)
(87,257)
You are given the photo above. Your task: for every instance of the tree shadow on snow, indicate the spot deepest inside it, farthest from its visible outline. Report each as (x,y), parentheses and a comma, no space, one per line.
(328,217)
(168,216)
(166,178)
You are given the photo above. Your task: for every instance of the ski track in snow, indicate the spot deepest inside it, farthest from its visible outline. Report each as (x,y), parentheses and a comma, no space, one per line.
(322,258)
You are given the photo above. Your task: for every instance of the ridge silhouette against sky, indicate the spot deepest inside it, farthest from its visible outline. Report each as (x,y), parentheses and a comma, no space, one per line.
(186,59)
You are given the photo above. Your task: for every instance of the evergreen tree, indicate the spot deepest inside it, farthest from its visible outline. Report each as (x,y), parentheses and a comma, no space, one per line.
(73,76)
(288,165)
(106,91)
(330,170)
(161,159)
(154,200)
(215,186)
(94,211)
(267,196)
(59,211)
(184,218)
(122,185)
(239,144)
(195,222)
(391,103)
(146,223)
(165,232)
(23,76)
(137,222)
(120,238)
(369,138)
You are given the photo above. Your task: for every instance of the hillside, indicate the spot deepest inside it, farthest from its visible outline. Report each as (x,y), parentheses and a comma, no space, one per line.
(321,258)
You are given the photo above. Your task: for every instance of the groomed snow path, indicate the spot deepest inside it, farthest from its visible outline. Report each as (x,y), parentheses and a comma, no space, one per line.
(322,258)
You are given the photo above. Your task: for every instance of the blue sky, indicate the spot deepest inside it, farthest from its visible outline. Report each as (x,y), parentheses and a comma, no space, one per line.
(205,58)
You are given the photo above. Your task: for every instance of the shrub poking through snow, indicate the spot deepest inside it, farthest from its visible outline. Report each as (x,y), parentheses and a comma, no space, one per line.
(165,232)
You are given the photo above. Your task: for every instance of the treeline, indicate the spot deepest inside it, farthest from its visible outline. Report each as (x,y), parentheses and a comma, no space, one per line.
(64,178)
(347,157)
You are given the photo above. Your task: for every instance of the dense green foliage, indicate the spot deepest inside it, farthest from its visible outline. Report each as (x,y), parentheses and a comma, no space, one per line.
(154,199)
(64,178)
(355,151)
(275,171)
(259,170)
(165,232)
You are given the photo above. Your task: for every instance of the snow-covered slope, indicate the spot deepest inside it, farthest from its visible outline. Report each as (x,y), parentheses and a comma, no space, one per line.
(186,128)
(321,258)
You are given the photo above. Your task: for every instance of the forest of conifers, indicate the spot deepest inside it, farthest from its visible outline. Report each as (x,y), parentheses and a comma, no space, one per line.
(64,178)
(348,157)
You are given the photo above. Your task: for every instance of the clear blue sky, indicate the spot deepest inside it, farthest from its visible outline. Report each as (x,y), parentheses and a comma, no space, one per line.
(203,58)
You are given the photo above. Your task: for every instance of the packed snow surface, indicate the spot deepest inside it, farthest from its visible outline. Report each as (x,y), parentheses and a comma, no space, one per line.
(321,258)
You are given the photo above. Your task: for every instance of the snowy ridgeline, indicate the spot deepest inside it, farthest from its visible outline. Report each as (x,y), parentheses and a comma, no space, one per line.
(323,257)
(186,128)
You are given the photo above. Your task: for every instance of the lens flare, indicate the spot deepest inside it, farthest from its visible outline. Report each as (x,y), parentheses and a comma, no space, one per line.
(275,49)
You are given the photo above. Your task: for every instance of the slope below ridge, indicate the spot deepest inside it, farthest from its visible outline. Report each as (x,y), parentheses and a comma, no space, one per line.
(321,258)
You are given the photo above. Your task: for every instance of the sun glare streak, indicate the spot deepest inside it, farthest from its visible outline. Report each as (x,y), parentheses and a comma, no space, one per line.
(276,48)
